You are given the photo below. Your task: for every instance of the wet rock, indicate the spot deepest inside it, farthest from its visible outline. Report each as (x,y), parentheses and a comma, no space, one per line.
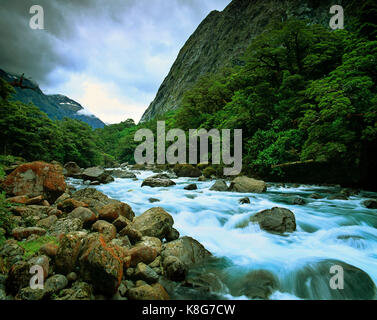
(155,222)
(35,179)
(23,233)
(113,211)
(338,197)
(145,273)
(316,196)
(247,185)
(121,222)
(174,268)
(258,284)
(72,277)
(191,187)
(220,185)
(276,220)
(187,249)
(298,201)
(133,234)
(244,201)
(101,264)
(96,174)
(187,170)
(86,215)
(72,170)
(121,174)
(153,200)
(157,183)
(56,283)
(358,285)
(107,229)
(172,235)
(370,204)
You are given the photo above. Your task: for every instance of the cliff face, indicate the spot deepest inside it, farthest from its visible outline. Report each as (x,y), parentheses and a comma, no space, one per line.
(222,38)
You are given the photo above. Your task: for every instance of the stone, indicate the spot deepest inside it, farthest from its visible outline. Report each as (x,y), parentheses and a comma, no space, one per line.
(298,201)
(247,185)
(49,249)
(157,183)
(18,199)
(121,174)
(35,200)
(56,283)
(96,174)
(276,220)
(47,223)
(67,254)
(141,254)
(86,215)
(187,170)
(145,273)
(175,269)
(219,185)
(191,187)
(187,249)
(35,179)
(113,211)
(153,200)
(147,292)
(68,205)
(107,229)
(245,200)
(64,226)
(155,222)
(29,294)
(151,242)
(101,264)
(72,277)
(121,222)
(23,233)
(79,291)
(316,196)
(172,235)
(370,204)
(133,234)
(72,169)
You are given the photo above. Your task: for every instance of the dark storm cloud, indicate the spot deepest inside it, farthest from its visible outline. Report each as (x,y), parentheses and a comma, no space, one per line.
(127,45)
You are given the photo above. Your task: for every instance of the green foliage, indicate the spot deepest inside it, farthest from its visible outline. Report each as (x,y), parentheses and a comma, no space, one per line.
(5,215)
(33,246)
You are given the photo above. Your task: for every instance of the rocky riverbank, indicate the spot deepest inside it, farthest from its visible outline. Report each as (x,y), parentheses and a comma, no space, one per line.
(91,246)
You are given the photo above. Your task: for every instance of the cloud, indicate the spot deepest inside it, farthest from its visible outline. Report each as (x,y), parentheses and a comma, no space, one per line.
(124,47)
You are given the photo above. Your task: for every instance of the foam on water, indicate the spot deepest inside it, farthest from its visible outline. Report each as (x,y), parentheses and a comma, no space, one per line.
(326,229)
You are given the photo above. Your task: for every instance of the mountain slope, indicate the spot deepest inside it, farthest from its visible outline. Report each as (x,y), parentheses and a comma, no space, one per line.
(55,106)
(221,39)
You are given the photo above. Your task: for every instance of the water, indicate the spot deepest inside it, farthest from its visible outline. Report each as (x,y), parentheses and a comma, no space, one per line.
(341,230)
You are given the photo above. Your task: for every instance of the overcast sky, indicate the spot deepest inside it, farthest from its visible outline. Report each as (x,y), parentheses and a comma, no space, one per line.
(109,55)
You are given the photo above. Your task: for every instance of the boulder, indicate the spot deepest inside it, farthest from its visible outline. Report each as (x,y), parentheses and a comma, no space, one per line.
(121,222)
(186,249)
(151,242)
(187,170)
(56,283)
(68,205)
(114,210)
(35,179)
(67,254)
(147,292)
(79,291)
(133,234)
(276,220)
(139,254)
(121,174)
(64,226)
(247,185)
(157,183)
(107,229)
(172,235)
(191,187)
(101,264)
(244,201)
(175,269)
(72,170)
(155,222)
(24,233)
(47,223)
(220,185)
(86,215)
(370,204)
(145,273)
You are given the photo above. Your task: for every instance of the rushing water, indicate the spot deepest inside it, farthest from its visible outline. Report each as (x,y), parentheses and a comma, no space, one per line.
(334,230)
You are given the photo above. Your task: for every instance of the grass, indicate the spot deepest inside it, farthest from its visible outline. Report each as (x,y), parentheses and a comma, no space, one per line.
(32,247)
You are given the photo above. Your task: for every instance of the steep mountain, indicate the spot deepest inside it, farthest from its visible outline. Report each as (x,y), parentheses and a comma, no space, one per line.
(222,37)
(55,106)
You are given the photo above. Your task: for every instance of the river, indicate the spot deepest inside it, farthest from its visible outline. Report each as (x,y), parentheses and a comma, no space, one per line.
(333,230)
